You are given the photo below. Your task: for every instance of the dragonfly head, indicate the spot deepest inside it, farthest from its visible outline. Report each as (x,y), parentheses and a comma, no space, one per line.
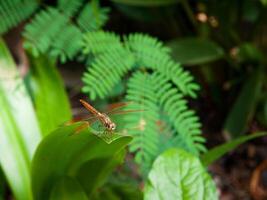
(111,126)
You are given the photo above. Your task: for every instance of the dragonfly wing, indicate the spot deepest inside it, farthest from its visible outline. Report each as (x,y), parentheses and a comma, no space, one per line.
(122,112)
(117,106)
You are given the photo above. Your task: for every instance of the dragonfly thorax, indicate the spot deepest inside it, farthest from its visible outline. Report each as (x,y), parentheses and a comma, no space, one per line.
(109,125)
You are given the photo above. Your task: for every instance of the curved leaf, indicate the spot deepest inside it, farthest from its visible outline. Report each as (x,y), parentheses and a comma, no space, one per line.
(217,152)
(68,189)
(194,51)
(19,131)
(177,174)
(84,157)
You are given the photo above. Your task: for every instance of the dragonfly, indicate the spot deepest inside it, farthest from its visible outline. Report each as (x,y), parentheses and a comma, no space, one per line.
(104,118)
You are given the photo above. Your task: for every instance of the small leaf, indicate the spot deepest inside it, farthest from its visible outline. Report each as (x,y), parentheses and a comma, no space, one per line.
(84,157)
(194,51)
(177,174)
(218,151)
(244,107)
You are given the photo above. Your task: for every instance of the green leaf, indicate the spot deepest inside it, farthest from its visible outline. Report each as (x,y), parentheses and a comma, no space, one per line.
(146,2)
(19,132)
(177,174)
(68,189)
(244,106)
(84,157)
(51,101)
(194,51)
(218,151)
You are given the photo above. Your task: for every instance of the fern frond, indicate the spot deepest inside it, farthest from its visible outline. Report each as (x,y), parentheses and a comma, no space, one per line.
(184,120)
(51,32)
(139,43)
(43,29)
(97,42)
(151,53)
(12,12)
(142,125)
(161,95)
(93,17)
(69,7)
(105,72)
(68,45)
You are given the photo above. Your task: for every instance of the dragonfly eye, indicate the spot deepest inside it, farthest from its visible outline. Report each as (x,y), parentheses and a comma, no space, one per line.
(112,126)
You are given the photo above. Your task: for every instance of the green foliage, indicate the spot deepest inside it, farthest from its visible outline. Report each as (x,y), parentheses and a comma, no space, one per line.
(146,141)
(192,51)
(81,159)
(69,7)
(98,42)
(157,85)
(19,132)
(12,12)
(243,109)
(176,174)
(56,32)
(152,54)
(212,155)
(51,102)
(184,120)
(92,17)
(67,188)
(45,35)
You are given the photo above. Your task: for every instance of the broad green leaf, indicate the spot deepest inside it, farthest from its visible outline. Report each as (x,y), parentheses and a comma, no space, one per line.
(68,189)
(194,51)
(84,157)
(177,174)
(146,2)
(19,131)
(218,151)
(51,101)
(244,106)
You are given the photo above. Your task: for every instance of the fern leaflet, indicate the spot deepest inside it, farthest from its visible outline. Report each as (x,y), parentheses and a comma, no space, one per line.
(12,12)
(142,125)
(92,17)
(105,72)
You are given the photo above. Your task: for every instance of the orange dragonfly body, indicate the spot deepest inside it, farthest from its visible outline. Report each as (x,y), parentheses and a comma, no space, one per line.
(105,120)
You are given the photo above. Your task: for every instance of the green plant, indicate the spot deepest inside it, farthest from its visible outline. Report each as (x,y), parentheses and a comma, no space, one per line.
(80,161)
(175,182)
(157,84)
(136,67)
(13,12)
(56,32)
